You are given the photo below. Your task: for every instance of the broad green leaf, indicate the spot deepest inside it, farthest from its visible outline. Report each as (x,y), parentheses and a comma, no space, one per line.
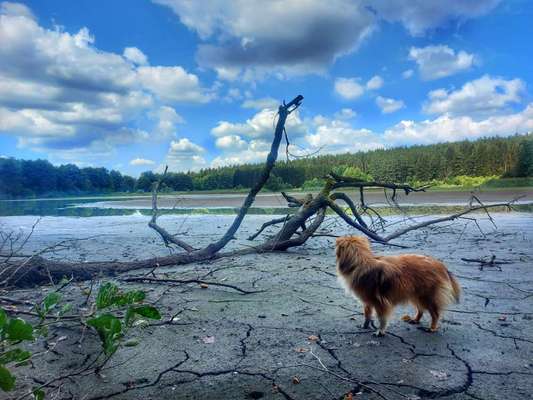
(3,319)
(109,330)
(7,381)
(135,296)
(106,295)
(18,329)
(130,316)
(148,311)
(144,311)
(51,300)
(38,394)
(14,355)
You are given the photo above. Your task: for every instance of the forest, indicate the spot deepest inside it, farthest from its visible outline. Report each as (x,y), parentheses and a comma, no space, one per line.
(445,163)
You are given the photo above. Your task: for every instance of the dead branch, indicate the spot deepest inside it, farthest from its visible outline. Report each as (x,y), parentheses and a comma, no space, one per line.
(167,237)
(448,218)
(275,221)
(37,270)
(487,263)
(347,200)
(292,201)
(189,281)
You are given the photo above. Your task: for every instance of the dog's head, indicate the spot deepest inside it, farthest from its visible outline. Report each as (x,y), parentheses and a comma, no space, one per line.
(350,251)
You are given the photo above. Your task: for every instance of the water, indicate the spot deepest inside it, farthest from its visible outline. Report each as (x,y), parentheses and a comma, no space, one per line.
(228,204)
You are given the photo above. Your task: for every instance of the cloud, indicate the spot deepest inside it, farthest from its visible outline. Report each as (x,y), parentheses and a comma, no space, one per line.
(167,118)
(268,37)
(349,88)
(338,136)
(408,73)
(59,93)
(16,9)
(135,55)
(261,125)
(173,84)
(184,155)
(253,38)
(436,62)
(345,114)
(388,105)
(231,142)
(481,96)
(259,104)
(374,83)
(256,150)
(419,16)
(141,162)
(448,128)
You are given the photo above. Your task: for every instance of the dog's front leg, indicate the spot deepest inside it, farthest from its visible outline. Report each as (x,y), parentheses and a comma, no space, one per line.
(368,316)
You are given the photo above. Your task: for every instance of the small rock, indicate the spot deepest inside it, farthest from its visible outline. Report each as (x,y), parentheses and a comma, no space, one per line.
(208,339)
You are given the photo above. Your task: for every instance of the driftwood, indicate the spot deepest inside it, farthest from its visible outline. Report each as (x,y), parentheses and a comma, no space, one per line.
(294,229)
(492,263)
(38,270)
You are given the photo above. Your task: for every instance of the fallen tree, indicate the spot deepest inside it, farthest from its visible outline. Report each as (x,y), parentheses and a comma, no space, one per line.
(295,230)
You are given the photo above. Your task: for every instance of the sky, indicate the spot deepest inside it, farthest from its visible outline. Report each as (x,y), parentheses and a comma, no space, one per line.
(137,85)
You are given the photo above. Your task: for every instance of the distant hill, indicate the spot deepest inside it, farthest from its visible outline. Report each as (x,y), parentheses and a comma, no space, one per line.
(465,162)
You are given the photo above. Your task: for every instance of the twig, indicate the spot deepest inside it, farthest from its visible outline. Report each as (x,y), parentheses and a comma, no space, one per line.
(189,281)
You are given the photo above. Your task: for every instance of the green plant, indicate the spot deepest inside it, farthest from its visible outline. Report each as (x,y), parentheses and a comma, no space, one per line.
(115,312)
(13,331)
(110,327)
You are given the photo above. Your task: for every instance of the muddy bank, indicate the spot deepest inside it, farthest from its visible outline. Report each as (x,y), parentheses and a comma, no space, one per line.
(259,344)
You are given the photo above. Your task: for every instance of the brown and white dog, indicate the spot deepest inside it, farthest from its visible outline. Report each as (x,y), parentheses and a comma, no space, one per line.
(382,282)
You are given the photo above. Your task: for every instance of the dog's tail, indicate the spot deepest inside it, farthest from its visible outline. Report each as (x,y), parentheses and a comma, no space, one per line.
(456,288)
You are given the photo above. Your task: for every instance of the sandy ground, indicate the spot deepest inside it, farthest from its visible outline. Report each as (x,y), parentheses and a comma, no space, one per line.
(375,197)
(224,345)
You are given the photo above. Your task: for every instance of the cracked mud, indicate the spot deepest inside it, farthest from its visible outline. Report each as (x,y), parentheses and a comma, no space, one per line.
(302,337)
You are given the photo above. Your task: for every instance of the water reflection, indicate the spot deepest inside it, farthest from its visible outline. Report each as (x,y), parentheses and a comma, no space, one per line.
(77,208)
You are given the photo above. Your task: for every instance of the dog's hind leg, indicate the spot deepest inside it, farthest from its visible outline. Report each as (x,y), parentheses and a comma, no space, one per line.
(383,318)
(434,311)
(368,316)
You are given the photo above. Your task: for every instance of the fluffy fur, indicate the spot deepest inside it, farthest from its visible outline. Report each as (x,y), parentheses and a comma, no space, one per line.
(382,282)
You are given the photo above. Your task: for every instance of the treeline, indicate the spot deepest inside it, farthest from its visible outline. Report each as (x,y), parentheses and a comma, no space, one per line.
(29,178)
(502,157)
(505,157)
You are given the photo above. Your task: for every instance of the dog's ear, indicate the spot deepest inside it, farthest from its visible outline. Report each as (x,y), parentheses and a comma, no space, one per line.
(340,243)
(361,241)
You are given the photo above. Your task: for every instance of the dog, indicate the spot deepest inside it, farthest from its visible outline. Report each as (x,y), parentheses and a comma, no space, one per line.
(382,282)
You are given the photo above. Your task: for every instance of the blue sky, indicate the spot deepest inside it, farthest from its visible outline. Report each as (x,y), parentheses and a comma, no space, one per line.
(137,85)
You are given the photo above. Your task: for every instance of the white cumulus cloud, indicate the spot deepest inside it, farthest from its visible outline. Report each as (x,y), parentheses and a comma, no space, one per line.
(349,88)
(436,62)
(374,83)
(61,94)
(447,128)
(135,55)
(388,105)
(484,95)
(141,162)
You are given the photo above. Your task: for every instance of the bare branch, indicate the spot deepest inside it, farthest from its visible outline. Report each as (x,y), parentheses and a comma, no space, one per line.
(167,237)
(275,221)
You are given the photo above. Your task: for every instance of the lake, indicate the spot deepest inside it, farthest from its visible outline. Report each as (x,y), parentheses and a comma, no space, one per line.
(267,203)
